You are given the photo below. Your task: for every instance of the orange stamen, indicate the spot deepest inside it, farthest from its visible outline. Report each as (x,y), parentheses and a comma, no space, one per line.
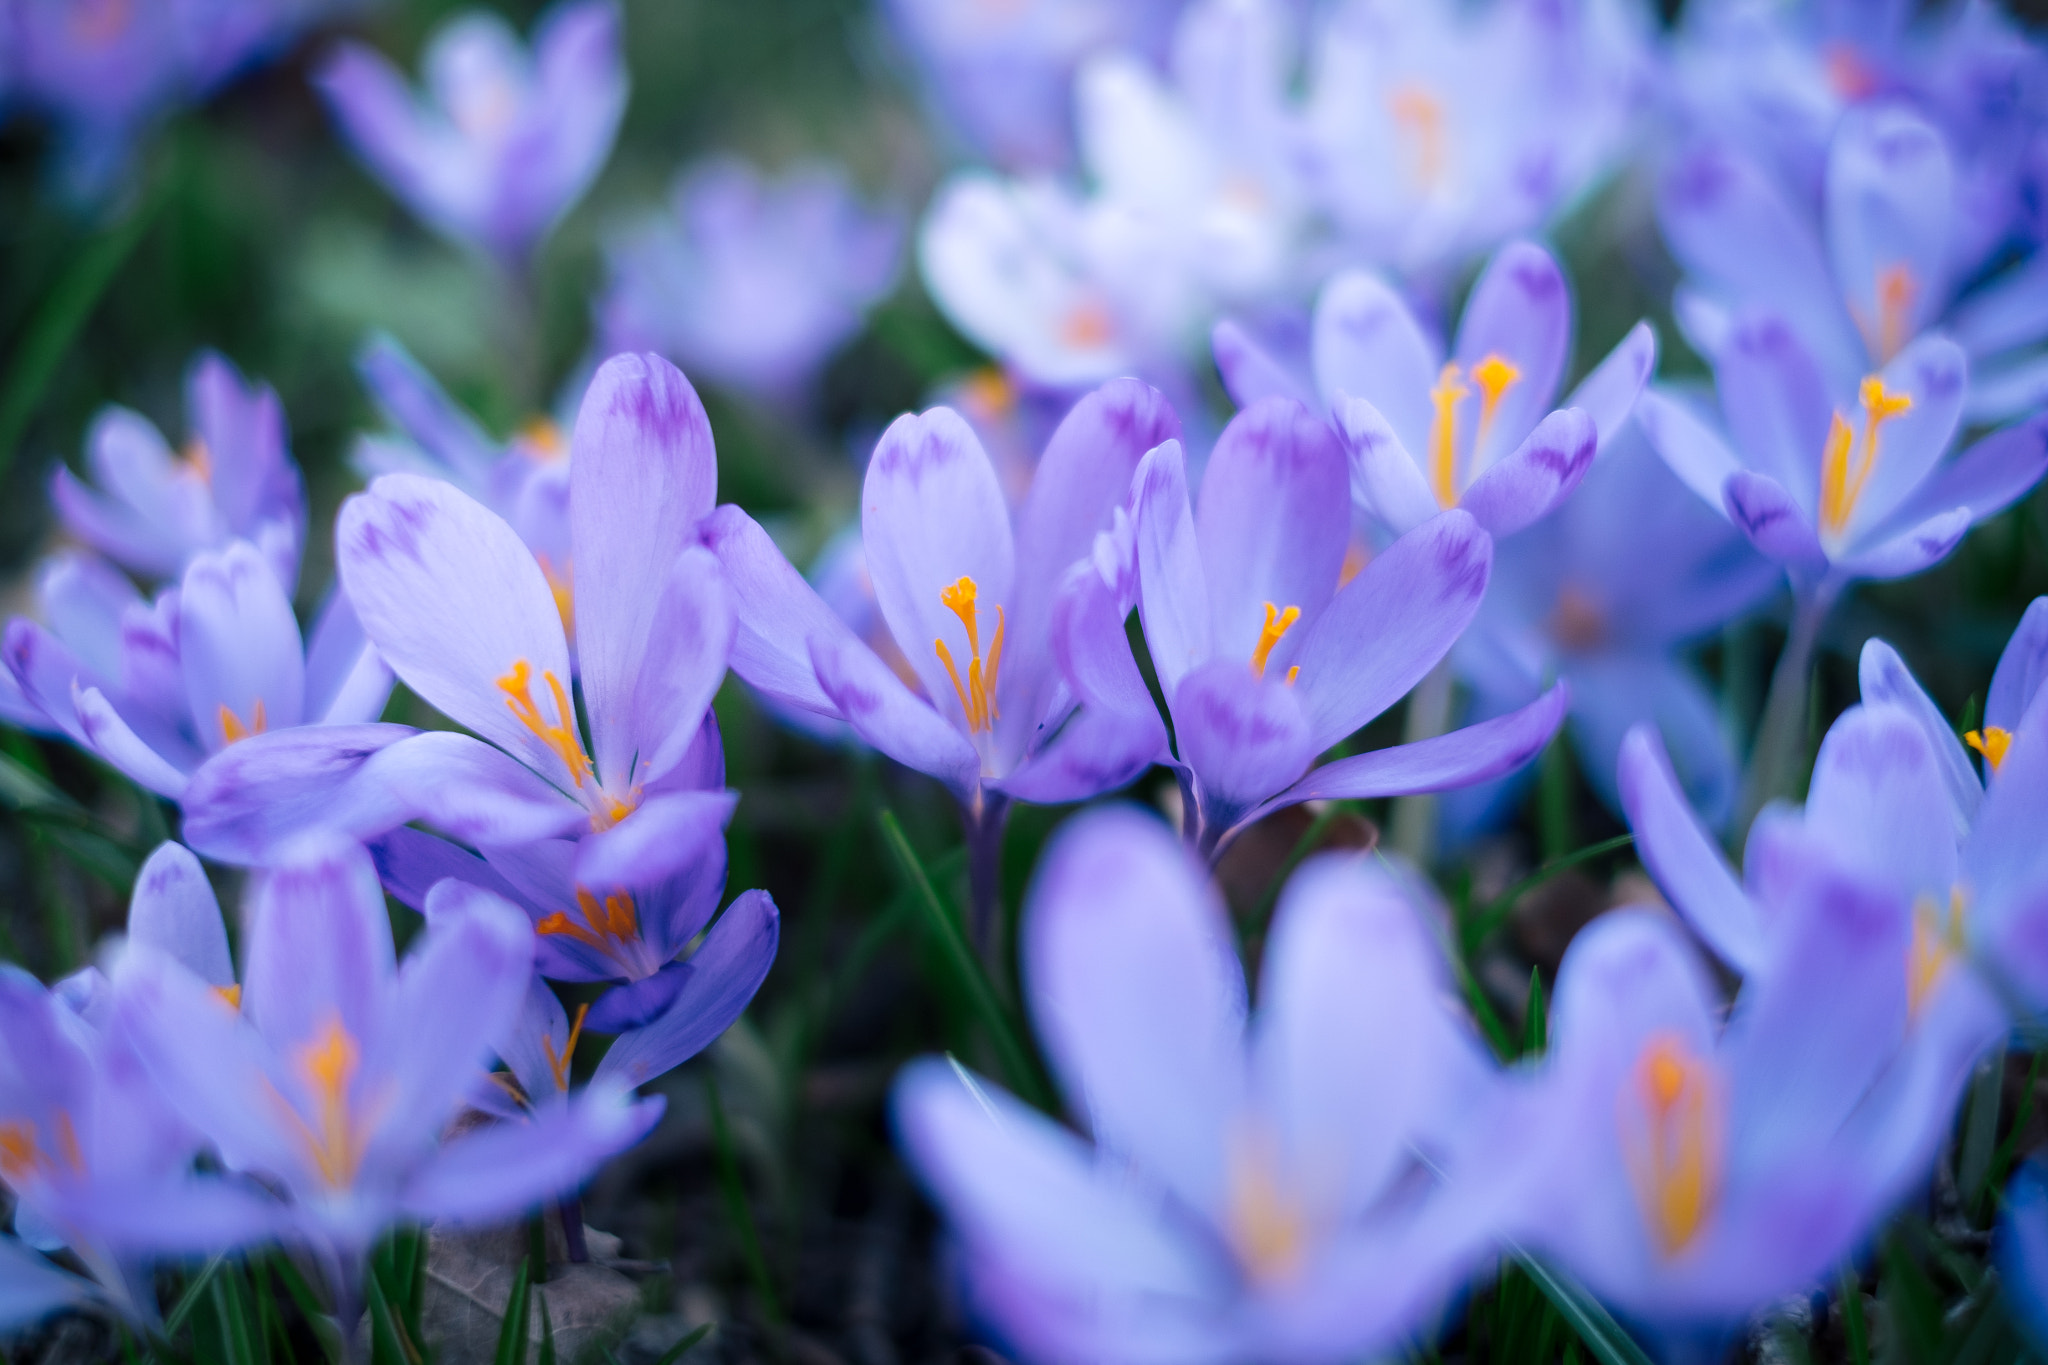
(231,995)
(1420,115)
(1896,290)
(1992,742)
(562,586)
(1937,941)
(1493,375)
(1267,1226)
(232,729)
(197,459)
(544,438)
(978,693)
(1087,326)
(561,739)
(558,1065)
(1278,623)
(1846,462)
(330,1063)
(1676,1165)
(1443,434)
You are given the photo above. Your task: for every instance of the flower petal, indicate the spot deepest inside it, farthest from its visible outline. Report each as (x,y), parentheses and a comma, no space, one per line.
(1777,525)
(1520,310)
(776,611)
(1777,405)
(319,949)
(1910,551)
(1608,393)
(720,978)
(668,835)
(1366,344)
(1934,374)
(486,1177)
(1244,737)
(887,715)
(1527,486)
(1890,200)
(1682,856)
(1987,478)
(1884,680)
(1693,451)
(1249,372)
(1385,479)
(175,912)
(244,663)
(681,667)
(1173,589)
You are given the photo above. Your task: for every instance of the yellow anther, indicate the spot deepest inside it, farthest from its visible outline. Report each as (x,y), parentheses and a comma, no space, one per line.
(231,996)
(1267,1227)
(232,729)
(562,586)
(1675,1161)
(978,693)
(1493,375)
(1420,114)
(1278,623)
(329,1065)
(1450,390)
(197,459)
(612,921)
(558,1064)
(561,739)
(20,1156)
(990,390)
(544,438)
(1293,672)
(1937,941)
(1992,742)
(1846,462)
(1896,290)
(1087,326)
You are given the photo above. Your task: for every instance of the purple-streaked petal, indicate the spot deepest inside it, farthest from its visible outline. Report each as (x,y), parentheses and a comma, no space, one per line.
(664,838)
(932,513)
(411,862)
(636,1003)
(83,599)
(319,948)
(1527,485)
(642,474)
(1244,737)
(1249,372)
(1884,680)
(1934,374)
(1463,758)
(175,912)
(1608,394)
(420,408)
(887,715)
(1520,310)
(1699,457)
(1173,589)
(1683,858)
(1775,399)
(454,601)
(1890,200)
(681,667)
(1391,624)
(1385,479)
(1366,344)
(108,734)
(1877,801)
(777,612)
(491,1175)
(1907,553)
(1138,997)
(244,663)
(720,978)
(1775,523)
(1272,521)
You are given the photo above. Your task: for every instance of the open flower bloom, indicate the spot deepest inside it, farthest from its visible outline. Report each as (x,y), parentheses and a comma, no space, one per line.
(749,281)
(664,1011)
(1020,681)
(524,479)
(464,614)
(336,1077)
(1838,486)
(1883,268)
(233,479)
(155,688)
(2017,680)
(1604,595)
(506,140)
(1268,655)
(1271,1189)
(1476,430)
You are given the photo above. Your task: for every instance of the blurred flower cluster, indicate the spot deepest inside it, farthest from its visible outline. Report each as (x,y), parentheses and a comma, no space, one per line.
(1276,473)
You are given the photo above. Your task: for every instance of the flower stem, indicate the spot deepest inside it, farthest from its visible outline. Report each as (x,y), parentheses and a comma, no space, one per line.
(1413,827)
(986,824)
(1780,749)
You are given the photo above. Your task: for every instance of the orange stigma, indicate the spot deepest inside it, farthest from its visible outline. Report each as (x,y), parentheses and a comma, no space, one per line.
(561,739)
(1450,390)
(1992,742)
(1675,1157)
(1896,290)
(1419,114)
(21,1156)
(558,1065)
(1846,462)
(542,437)
(1937,941)
(1278,623)
(232,729)
(1493,375)
(562,586)
(231,995)
(1267,1227)
(329,1065)
(197,459)
(978,694)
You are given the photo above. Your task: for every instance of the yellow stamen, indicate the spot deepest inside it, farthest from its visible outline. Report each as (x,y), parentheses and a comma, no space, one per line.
(1266,1225)
(558,1065)
(561,739)
(1992,742)
(329,1064)
(1278,623)
(232,729)
(991,391)
(544,438)
(1293,672)
(197,459)
(19,1155)
(1493,375)
(1356,557)
(1675,1162)
(562,585)
(978,693)
(1443,434)
(1420,115)
(1846,463)
(1087,326)
(231,995)
(605,925)
(1937,941)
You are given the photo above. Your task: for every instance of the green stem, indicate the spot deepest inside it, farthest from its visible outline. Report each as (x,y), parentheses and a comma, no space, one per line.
(737,1208)
(1779,754)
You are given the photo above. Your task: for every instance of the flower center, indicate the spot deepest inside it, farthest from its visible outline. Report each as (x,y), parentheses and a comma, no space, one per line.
(1278,623)
(329,1064)
(1267,1227)
(196,459)
(561,739)
(542,438)
(978,693)
(1087,326)
(1672,1129)
(608,925)
(1419,116)
(1847,462)
(1992,742)
(1493,374)
(232,729)
(22,1156)
(558,1064)
(1937,941)
(1886,333)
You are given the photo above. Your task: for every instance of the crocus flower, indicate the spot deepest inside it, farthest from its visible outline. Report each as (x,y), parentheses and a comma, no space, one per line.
(505,140)
(1268,656)
(154,688)
(233,479)
(1027,688)
(337,1075)
(1604,595)
(464,615)
(1278,1189)
(1884,677)
(748,281)
(1427,432)
(1839,485)
(1880,268)
(32,1288)
(663,1010)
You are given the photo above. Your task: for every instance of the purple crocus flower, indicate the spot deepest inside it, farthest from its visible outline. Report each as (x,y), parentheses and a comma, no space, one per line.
(463,613)
(336,1077)
(748,281)
(154,688)
(1268,657)
(233,479)
(1280,1189)
(1022,685)
(32,1288)
(506,140)
(1427,432)
(664,1011)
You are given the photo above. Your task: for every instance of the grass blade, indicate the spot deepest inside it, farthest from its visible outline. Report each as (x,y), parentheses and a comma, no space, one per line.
(1536,1023)
(388,1342)
(547,1334)
(683,1343)
(1495,912)
(1609,1343)
(189,1300)
(512,1337)
(736,1206)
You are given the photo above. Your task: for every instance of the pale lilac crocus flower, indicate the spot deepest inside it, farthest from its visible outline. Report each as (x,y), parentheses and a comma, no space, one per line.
(1021,684)
(459,607)
(1280,1187)
(156,687)
(232,479)
(338,1074)
(506,138)
(1268,655)
(747,280)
